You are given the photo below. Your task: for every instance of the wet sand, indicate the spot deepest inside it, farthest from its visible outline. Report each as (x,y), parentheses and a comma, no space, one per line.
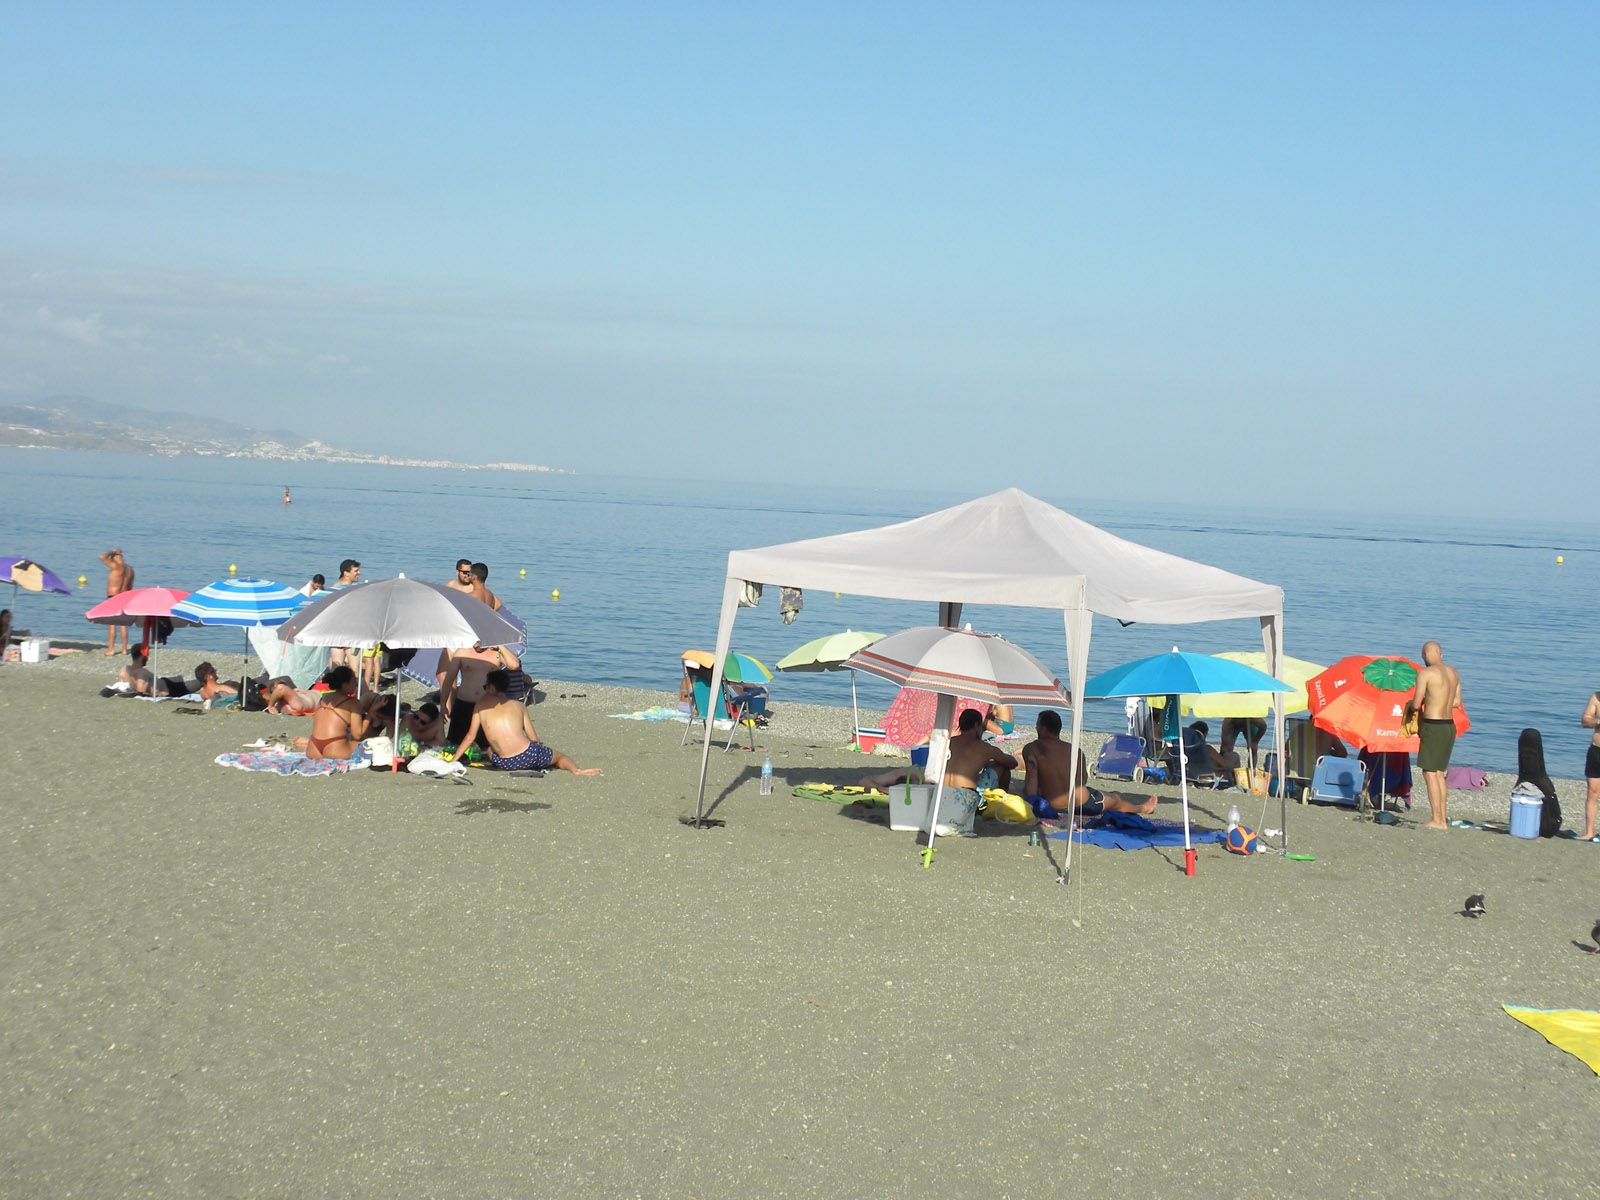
(228,984)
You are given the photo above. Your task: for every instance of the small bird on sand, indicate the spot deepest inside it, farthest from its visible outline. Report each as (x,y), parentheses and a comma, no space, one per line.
(1594,936)
(1474,908)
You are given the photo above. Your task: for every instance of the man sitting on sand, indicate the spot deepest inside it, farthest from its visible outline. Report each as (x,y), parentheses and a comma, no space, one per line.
(969,755)
(513,743)
(461,676)
(1049,761)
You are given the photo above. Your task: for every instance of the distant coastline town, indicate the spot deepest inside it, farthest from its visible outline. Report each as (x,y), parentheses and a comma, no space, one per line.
(77,423)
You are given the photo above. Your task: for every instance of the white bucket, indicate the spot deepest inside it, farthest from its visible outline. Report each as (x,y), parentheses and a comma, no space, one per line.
(35,649)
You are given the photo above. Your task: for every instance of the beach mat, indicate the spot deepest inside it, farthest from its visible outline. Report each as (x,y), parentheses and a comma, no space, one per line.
(290,762)
(660,712)
(868,797)
(1130,831)
(1465,779)
(1575,1030)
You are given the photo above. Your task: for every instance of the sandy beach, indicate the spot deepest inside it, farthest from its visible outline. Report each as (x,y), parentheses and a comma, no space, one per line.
(229,984)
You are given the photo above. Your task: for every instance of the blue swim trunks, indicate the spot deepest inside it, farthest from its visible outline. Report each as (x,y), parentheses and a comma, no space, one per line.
(1094,806)
(536,757)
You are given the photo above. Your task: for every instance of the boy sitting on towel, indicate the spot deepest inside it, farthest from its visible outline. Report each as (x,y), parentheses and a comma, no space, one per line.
(506,726)
(1048,761)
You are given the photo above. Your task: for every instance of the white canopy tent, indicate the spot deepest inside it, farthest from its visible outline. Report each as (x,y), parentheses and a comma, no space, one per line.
(1007,549)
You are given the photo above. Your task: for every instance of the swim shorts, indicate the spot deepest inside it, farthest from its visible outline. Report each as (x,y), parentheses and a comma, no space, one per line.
(958,810)
(1438,739)
(1093,806)
(1591,764)
(536,757)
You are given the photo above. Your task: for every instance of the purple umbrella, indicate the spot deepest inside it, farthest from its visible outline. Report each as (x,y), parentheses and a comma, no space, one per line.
(25,573)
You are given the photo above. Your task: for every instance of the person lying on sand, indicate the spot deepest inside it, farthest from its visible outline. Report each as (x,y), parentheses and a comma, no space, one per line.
(341,721)
(136,675)
(1048,761)
(285,700)
(513,743)
(210,686)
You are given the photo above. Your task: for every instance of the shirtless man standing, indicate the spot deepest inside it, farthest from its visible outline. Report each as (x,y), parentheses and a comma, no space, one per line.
(1049,760)
(1437,697)
(480,586)
(513,743)
(462,676)
(969,754)
(1591,764)
(119,579)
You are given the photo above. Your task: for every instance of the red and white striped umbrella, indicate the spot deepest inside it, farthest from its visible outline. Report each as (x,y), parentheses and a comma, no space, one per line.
(961,662)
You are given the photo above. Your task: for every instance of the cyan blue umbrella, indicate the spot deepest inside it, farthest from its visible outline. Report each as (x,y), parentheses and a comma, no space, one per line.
(1172,675)
(1175,673)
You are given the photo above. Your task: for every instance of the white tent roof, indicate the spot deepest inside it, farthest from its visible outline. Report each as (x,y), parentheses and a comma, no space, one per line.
(1011,549)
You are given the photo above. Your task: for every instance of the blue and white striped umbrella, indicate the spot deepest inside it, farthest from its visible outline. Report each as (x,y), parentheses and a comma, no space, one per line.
(241,602)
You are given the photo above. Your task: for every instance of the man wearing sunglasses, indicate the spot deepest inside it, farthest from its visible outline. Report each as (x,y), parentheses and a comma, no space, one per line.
(464,580)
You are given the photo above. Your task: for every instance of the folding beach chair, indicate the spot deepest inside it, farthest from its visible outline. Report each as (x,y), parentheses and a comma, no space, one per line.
(1197,766)
(729,709)
(1121,757)
(1337,781)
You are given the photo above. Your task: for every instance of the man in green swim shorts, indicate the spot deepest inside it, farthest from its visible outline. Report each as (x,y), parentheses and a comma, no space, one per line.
(1437,697)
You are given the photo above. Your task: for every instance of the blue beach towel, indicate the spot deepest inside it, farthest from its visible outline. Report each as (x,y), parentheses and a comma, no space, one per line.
(1129,831)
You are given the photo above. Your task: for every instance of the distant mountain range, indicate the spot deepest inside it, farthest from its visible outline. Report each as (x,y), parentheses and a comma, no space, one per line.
(79,423)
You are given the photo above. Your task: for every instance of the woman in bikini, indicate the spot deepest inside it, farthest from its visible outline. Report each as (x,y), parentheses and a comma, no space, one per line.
(341,721)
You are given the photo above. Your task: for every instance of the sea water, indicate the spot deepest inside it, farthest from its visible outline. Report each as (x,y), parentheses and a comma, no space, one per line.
(639,566)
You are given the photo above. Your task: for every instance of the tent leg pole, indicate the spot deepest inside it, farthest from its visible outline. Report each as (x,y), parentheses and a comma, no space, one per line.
(855,712)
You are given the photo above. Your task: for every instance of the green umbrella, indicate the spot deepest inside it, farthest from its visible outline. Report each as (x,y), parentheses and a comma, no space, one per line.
(829,653)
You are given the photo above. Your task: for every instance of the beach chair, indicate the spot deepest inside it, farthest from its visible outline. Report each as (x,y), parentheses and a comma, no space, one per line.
(1197,766)
(1121,757)
(1337,781)
(700,712)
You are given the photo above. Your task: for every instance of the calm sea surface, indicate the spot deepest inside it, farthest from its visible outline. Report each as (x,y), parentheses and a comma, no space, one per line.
(639,564)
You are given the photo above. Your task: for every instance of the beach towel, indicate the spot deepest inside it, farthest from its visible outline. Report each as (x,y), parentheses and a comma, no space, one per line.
(290,762)
(1465,779)
(1575,1030)
(868,797)
(660,712)
(1129,831)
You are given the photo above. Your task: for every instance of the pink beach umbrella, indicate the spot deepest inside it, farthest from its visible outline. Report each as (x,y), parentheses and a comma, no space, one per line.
(137,605)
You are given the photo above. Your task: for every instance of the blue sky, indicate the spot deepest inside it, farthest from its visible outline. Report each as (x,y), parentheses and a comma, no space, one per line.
(1348,250)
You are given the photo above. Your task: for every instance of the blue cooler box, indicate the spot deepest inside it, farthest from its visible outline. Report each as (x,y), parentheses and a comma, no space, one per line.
(1526,812)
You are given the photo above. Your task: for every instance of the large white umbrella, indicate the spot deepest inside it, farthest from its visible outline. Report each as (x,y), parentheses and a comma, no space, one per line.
(403,614)
(958,662)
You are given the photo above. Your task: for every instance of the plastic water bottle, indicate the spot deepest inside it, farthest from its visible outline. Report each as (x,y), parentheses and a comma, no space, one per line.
(766,776)
(1233,818)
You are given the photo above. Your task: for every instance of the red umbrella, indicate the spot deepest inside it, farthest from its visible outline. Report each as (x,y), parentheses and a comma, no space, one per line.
(1362,700)
(909,720)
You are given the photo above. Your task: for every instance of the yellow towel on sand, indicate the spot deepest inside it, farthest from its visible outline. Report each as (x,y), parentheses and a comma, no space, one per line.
(1575,1030)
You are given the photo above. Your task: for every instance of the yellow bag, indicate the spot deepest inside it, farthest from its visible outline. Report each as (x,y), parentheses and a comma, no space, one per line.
(1254,782)
(1003,806)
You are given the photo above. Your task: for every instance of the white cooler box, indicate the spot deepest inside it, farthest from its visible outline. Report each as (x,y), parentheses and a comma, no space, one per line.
(910,805)
(35,649)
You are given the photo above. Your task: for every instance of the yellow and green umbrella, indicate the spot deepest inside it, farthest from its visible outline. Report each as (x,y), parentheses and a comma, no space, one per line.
(1296,671)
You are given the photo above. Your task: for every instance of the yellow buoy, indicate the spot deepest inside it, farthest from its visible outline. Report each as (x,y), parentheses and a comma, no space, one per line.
(82,579)
(555,593)
(233,568)
(1560,559)
(523,572)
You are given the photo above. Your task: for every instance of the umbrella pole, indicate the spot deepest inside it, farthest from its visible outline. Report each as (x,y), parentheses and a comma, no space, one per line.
(855,712)
(933,821)
(1183,780)
(394,762)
